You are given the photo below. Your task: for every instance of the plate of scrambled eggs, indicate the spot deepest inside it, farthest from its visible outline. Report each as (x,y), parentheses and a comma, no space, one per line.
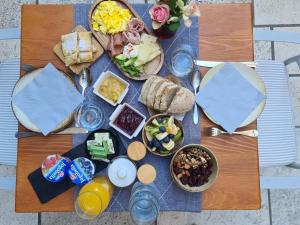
(122,33)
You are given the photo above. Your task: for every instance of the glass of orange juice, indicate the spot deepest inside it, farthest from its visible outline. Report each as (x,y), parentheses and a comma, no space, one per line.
(93,198)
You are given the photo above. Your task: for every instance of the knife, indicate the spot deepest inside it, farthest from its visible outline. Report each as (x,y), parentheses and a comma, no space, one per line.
(70,130)
(211,64)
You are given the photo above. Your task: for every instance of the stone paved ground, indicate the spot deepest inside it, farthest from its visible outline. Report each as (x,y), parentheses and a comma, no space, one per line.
(279,207)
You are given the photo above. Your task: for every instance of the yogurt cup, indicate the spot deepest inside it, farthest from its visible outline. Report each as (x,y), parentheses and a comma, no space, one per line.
(55,167)
(81,170)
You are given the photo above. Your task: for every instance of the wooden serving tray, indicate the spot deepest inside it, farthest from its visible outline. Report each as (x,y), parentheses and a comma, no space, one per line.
(77,68)
(152,67)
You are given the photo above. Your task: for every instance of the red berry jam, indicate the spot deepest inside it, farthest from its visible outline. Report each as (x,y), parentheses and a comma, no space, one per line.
(128,120)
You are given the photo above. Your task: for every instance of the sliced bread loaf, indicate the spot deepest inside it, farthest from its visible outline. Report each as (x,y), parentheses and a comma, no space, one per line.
(152,91)
(182,102)
(145,89)
(159,94)
(168,96)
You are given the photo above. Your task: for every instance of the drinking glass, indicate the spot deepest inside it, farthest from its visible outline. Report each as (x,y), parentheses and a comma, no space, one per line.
(144,204)
(181,60)
(89,116)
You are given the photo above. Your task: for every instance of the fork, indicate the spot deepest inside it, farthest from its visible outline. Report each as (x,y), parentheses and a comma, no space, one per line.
(213,131)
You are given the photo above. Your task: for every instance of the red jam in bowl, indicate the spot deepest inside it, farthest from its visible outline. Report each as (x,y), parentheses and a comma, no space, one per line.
(128,120)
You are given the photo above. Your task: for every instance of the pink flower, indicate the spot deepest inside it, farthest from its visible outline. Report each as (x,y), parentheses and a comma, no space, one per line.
(159,15)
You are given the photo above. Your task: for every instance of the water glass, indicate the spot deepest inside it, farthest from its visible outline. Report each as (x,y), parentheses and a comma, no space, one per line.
(181,60)
(89,116)
(144,204)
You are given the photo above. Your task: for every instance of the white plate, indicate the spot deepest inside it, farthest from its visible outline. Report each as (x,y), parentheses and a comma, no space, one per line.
(21,116)
(251,76)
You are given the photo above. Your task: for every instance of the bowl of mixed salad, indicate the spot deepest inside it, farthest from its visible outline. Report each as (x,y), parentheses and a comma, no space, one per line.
(163,135)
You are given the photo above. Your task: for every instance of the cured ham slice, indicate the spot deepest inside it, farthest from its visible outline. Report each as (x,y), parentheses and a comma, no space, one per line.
(132,37)
(118,40)
(136,24)
(115,44)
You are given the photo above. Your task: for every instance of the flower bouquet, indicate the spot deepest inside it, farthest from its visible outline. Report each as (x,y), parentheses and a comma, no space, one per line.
(166,16)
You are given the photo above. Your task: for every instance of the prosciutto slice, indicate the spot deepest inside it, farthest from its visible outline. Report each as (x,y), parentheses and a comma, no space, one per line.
(115,44)
(136,24)
(132,37)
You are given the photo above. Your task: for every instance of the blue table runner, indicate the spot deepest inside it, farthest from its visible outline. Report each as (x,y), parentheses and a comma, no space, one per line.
(171,197)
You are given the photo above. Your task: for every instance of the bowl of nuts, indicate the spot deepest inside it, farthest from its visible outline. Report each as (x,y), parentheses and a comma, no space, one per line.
(194,168)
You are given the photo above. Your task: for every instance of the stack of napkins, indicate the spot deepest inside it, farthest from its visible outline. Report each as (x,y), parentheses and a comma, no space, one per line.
(48,99)
(228,98)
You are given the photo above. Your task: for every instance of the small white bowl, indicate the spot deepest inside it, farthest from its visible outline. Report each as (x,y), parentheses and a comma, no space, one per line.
(116,114)
(99,81)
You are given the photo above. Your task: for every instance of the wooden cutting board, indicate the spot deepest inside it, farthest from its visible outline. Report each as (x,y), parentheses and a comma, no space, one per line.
(77,68)
(152,67)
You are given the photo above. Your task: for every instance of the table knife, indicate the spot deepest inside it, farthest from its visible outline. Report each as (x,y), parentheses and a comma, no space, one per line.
(211,64)
(70,130)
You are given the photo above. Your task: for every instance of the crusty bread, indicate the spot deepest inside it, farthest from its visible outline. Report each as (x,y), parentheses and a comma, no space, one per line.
(163,95)
(159,94)
(152,91)
(168,96)
(183,101)
(145,89)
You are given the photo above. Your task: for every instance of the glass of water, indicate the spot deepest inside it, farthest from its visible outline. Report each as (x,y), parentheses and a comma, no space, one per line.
(89,116)
(181,60)
(144,204)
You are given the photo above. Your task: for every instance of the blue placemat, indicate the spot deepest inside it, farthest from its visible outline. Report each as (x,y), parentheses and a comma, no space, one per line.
(171,197)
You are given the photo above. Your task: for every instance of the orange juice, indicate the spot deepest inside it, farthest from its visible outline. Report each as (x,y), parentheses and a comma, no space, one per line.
(94,197)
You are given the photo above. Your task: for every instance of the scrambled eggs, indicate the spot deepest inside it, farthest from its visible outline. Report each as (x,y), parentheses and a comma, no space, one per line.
(110,18)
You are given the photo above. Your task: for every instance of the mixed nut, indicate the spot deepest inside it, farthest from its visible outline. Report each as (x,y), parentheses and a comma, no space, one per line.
(192,166)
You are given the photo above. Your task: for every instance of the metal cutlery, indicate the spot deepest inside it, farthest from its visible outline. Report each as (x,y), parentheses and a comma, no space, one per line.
(196,78)
(70,130)
(85,79)
(213,131)
(210,64)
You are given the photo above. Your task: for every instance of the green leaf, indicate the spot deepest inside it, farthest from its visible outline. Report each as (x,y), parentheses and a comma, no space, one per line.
(172,4)
(174,26)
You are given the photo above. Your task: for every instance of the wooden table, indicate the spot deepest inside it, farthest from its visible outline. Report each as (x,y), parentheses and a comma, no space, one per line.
(226,35)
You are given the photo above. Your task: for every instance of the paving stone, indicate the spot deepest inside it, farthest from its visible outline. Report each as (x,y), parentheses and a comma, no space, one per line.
(7,211)
(284,51)
(9,49)
(72,218)
(10,12)
(262,49)
(229,217)
(277,12)
(285,206)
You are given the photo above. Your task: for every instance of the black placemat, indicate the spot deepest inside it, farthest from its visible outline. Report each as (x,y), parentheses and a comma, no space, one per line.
(47,190)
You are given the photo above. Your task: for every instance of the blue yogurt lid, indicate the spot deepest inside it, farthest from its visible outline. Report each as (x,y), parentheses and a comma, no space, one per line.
(81,170)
